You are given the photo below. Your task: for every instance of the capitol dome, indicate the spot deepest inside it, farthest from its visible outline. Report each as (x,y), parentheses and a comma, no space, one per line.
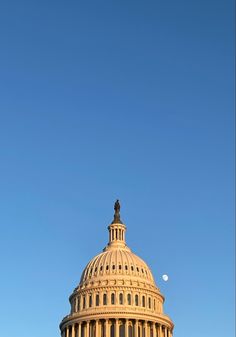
(116,262)
(117,295)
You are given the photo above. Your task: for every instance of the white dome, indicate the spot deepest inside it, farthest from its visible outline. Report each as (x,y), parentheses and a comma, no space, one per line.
(116,261)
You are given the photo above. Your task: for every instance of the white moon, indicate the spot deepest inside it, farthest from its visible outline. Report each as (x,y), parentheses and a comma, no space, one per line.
(165,277)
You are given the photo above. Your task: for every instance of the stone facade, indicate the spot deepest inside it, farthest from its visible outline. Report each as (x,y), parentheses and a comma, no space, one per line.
(117,295)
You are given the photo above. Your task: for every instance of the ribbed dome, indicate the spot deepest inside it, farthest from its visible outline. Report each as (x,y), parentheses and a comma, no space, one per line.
(117,295)
(115,261)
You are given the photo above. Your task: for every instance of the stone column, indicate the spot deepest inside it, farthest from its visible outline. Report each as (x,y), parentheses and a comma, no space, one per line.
(146,328)
(73,330)
(117,328)
(106,328)
(136,328)
(165,331)
(160,331)
(96,328)
(79,330)
(141,329)
(154,329)
(87,329)
(126,328)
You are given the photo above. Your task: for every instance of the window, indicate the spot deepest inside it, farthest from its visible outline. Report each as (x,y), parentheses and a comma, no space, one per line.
(113,267)
(107,267)
(97,300)
(143,301)
(131,334)
(126,267)
(120,266)
(137,269)
(112,330)
(101,268)
(132,268)
(154,304)
(121,298)
(84,302)
(136,299)
(129,299)
(149,302)
(90,301)
(104,299)
(112,298)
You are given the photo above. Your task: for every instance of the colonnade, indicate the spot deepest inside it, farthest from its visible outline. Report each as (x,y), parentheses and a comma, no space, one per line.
(116,328)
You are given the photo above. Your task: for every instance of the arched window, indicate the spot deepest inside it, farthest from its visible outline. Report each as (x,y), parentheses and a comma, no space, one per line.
(97,300)
(90,300)
(131,334)
(129,299)
(136,299)
(149,302)
(121,298)
(143,301)
(104,299)
(107,267)
(112,330)
(122,330)
(126,267)
(112,298)
(84,302)
(154,304)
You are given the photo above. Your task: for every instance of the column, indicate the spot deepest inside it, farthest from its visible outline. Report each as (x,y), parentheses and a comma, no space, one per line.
(154,329)
(126,328)
(136,328)
(87,329)
(146,328)
(96,328)
(73,330)
(165,330)
(106,328)
(141,329)
(160,330)
(79,330)
(117,328)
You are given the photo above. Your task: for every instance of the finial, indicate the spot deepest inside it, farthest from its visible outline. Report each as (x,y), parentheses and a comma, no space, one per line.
(117,212)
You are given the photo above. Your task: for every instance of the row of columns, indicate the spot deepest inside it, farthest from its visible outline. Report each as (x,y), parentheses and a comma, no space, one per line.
(75,330)
(116,234)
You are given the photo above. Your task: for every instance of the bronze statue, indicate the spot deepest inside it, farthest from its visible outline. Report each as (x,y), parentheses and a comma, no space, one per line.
(117,212)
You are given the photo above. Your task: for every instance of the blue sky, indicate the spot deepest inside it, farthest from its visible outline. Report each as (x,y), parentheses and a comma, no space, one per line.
(116,99)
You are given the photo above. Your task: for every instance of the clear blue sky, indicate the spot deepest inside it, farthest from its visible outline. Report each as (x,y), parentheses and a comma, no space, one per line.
(116,99)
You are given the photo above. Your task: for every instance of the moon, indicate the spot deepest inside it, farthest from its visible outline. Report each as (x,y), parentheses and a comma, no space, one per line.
(165,277)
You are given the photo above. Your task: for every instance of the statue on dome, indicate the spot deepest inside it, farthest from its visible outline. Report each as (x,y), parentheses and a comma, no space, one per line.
(117,212)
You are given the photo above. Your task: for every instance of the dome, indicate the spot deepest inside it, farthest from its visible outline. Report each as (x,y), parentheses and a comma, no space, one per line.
(117,295)
(116,262)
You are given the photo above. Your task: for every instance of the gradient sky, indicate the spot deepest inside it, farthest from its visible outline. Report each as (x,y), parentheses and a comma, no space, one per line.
(116,99)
